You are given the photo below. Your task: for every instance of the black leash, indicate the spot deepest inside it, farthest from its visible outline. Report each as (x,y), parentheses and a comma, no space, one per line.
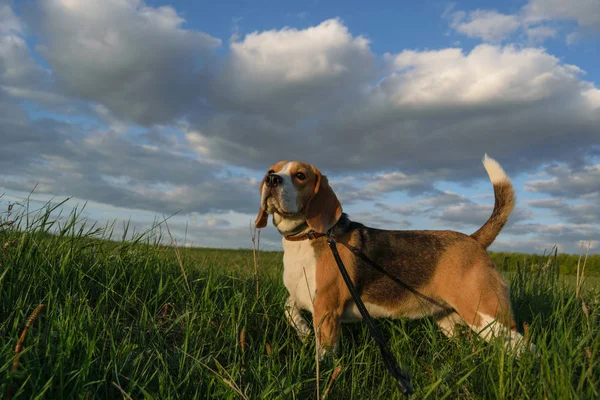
(402,377)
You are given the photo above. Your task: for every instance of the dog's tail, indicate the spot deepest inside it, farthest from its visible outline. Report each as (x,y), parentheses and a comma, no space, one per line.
(504,203)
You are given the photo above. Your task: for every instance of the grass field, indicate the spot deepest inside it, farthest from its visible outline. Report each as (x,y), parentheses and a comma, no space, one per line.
(130,319)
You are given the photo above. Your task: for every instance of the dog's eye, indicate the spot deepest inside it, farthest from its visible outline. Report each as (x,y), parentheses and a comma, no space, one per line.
(300,176)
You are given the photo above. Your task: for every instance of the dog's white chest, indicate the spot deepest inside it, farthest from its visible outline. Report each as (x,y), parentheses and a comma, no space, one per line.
(299,272)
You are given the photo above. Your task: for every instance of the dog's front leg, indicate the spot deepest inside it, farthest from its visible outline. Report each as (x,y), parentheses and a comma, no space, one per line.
(296,320)
(327,321)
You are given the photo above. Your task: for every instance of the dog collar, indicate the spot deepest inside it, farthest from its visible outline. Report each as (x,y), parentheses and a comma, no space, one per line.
(308,236)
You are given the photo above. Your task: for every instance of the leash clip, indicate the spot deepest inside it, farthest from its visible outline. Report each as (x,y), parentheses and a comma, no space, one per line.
(330,238)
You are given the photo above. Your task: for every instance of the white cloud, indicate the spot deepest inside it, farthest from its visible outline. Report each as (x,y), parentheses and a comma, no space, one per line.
(538,34)
(537,20)
(567,182)
(136,60)
(578,212)
(542,237)
(17,66)
(397,181)
(293,73)
(20,75)
(488,74)
(585,12)
(488,25)
(448,209)
(291,56)
(428,205)
(574,191)
(372,187)
(572,38)
(450,100)
(592,95)
(114,168)
(467,215)
(9,22)
(509,96)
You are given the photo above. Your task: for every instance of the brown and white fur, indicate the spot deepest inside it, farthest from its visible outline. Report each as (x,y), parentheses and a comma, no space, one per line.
(411,273)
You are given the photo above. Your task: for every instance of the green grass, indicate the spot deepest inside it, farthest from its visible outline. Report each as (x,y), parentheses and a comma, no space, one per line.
(121,321)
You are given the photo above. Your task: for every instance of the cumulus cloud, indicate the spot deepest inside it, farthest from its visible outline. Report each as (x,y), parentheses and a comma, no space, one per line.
(379,220)
(468,214)
(538,34)
(427,205)
(538,20)
(575,193)
(566,182)
(137,60)
(442,99)
(294,73)
(21,76)
(585,12)
(23,141)
(448,209)
(11,24)
(542,237)
(488,75)
(318,93)
(580,212)
(488,25)
(275,86)
(373,187)
(572,38)
(110,168)
(454,101)
(395,181)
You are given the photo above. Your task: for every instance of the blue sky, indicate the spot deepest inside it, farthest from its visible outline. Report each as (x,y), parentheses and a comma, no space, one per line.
(144,109)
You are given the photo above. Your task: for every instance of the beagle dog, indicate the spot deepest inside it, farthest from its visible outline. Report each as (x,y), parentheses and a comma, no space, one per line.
(404,273)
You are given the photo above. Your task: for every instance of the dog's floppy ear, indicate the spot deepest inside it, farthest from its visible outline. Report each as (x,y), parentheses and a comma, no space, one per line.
(323,210)
(262,218)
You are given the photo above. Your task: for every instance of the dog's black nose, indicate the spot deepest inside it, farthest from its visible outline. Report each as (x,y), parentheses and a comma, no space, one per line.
(273,180)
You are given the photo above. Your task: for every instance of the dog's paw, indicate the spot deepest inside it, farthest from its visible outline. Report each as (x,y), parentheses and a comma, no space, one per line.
(303,332)
(519,345)
(327,352)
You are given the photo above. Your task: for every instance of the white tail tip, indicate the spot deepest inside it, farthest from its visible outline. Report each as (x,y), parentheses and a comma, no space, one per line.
(494,170)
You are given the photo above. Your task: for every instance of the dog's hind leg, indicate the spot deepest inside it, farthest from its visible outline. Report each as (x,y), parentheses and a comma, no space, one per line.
(481,298)
(490,327)
(491,317)
(295,318)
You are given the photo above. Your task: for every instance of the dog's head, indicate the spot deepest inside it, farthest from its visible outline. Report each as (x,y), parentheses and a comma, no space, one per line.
(296,191)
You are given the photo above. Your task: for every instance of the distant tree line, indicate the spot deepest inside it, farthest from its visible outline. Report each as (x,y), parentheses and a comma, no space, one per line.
(564,263)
